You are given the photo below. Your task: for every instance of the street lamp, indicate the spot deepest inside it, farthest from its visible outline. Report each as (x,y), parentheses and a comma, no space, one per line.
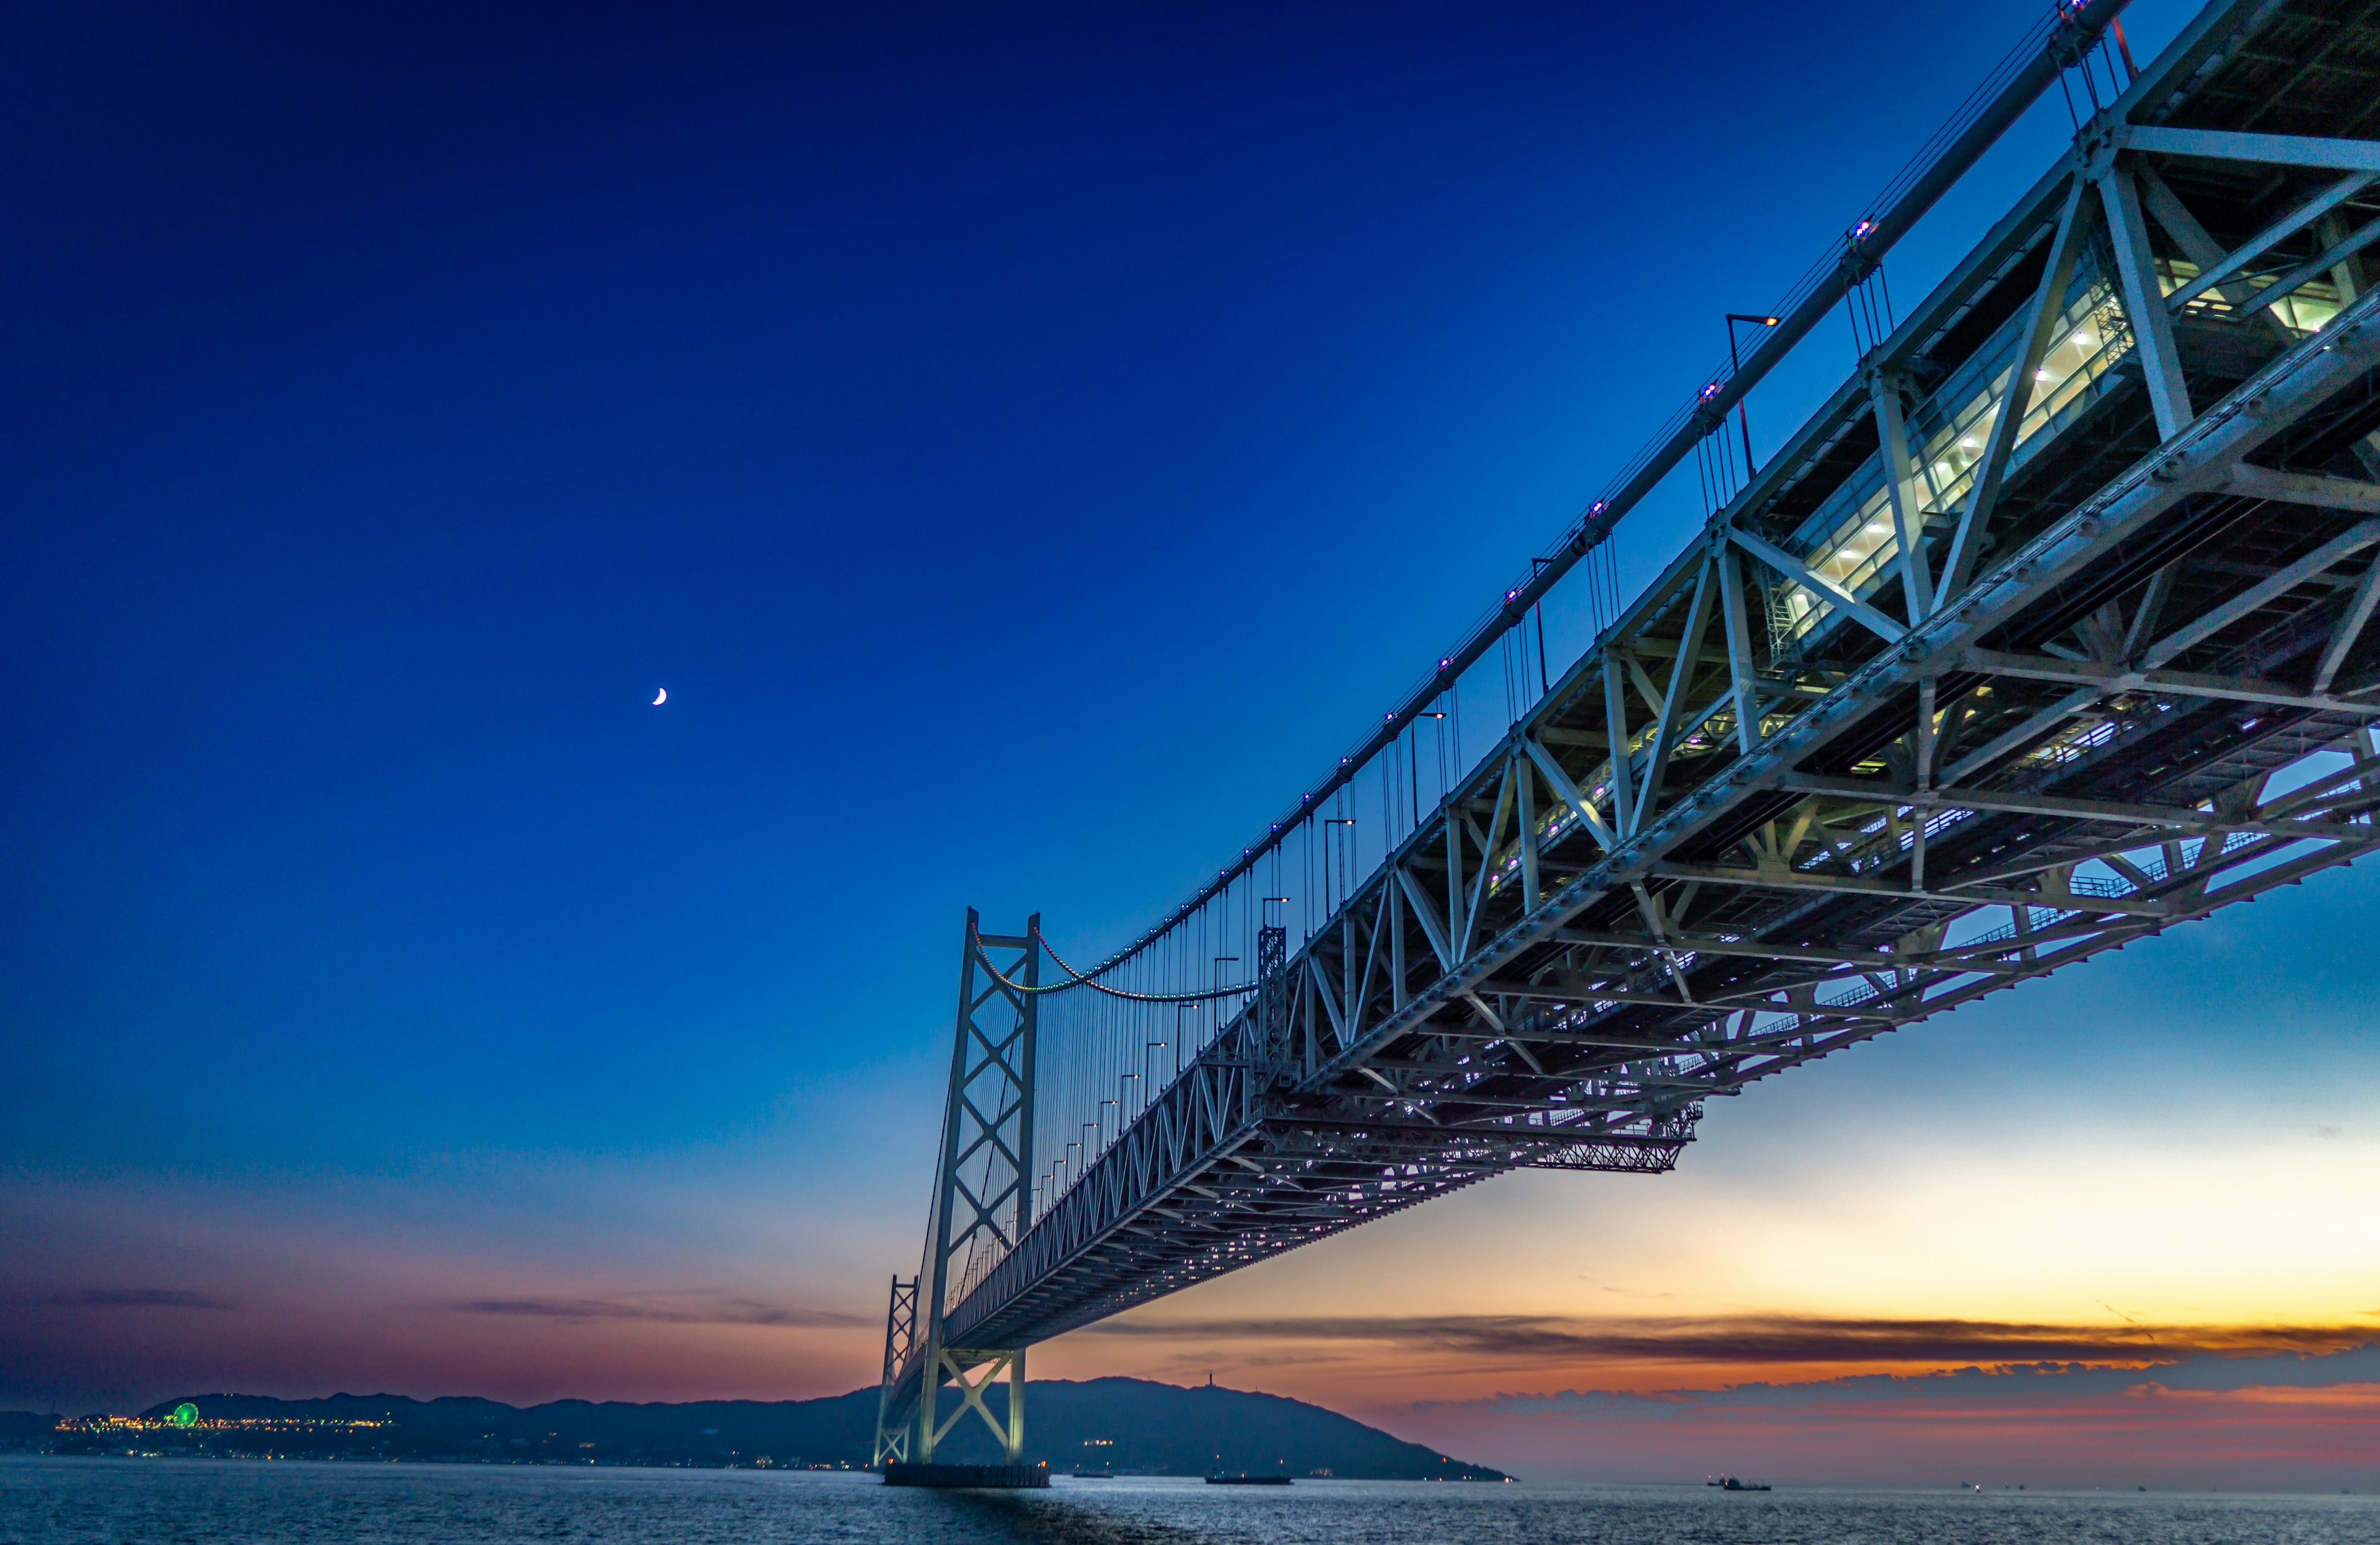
(1413,762)
(1329,822)
(1734,367)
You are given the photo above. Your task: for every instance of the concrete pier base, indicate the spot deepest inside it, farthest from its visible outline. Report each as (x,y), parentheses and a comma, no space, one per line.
(1003,1477)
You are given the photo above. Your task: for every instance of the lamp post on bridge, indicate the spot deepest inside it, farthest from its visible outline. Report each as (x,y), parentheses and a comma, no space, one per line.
(1328,822)
(1413,760)
(1221,961)
(1735,366)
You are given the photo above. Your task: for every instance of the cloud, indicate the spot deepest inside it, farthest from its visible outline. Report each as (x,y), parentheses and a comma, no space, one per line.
(2269,1376)
(134,1298)
(2259,1420)
(1759,1339)
(719,1311)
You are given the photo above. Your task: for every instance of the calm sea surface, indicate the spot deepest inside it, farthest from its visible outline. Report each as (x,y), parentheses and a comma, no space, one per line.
(70,1501)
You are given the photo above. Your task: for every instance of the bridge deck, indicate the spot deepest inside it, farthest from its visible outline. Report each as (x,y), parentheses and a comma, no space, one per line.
(1935,704)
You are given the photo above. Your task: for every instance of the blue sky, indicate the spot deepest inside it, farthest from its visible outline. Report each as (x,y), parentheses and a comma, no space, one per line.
(1026,445)
(1025,448)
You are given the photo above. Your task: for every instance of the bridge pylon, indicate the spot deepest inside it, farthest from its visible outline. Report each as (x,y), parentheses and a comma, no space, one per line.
(900,1342)
(982,1204)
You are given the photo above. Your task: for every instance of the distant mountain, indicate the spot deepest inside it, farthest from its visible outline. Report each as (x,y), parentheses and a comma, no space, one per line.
(1122,1425)
(23,1429)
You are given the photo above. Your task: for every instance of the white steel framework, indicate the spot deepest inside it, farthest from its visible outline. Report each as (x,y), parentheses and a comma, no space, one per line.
(2049,631)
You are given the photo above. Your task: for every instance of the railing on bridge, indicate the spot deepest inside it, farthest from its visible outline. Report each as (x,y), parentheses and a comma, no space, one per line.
(2045,633)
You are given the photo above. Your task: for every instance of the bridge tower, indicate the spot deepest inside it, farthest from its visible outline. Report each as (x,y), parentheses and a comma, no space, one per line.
(900,1341)
(982,1197)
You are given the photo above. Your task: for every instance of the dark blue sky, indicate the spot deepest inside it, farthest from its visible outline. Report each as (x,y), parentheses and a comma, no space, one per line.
(1028,443)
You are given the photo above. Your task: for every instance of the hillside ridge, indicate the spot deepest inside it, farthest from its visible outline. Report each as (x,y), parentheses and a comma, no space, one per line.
(1116,1425)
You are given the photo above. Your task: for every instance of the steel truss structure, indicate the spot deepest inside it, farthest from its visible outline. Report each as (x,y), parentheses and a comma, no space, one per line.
(980,1208)
(2049,631)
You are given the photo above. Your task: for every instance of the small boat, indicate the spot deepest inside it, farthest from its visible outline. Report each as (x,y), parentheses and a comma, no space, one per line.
(1728,1483)
(1244,1479)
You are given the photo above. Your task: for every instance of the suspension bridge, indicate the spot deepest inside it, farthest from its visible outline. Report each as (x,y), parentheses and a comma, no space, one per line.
(2048,631)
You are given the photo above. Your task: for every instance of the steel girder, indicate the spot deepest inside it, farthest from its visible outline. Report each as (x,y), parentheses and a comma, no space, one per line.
(1784,804)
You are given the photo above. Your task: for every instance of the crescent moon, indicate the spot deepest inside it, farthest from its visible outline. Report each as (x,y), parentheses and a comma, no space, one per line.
(660,697)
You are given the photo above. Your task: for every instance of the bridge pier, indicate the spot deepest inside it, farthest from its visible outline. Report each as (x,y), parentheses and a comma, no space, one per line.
(1003,1477)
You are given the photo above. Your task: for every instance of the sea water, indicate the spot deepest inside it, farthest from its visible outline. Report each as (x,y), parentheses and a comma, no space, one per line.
(179,1502)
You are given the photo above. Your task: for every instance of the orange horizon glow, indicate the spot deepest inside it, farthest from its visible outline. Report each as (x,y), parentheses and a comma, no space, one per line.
(1797,1301)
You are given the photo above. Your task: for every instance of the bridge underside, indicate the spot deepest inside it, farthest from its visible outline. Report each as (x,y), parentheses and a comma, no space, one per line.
(1950,695)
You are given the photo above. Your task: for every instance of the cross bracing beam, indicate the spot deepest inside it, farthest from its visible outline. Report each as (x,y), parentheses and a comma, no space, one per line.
(2321,490)
(2116,812)
(2108,679)
(1737,836)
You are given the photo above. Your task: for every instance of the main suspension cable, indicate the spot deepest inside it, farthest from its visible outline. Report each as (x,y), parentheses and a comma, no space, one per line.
(1075,979)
